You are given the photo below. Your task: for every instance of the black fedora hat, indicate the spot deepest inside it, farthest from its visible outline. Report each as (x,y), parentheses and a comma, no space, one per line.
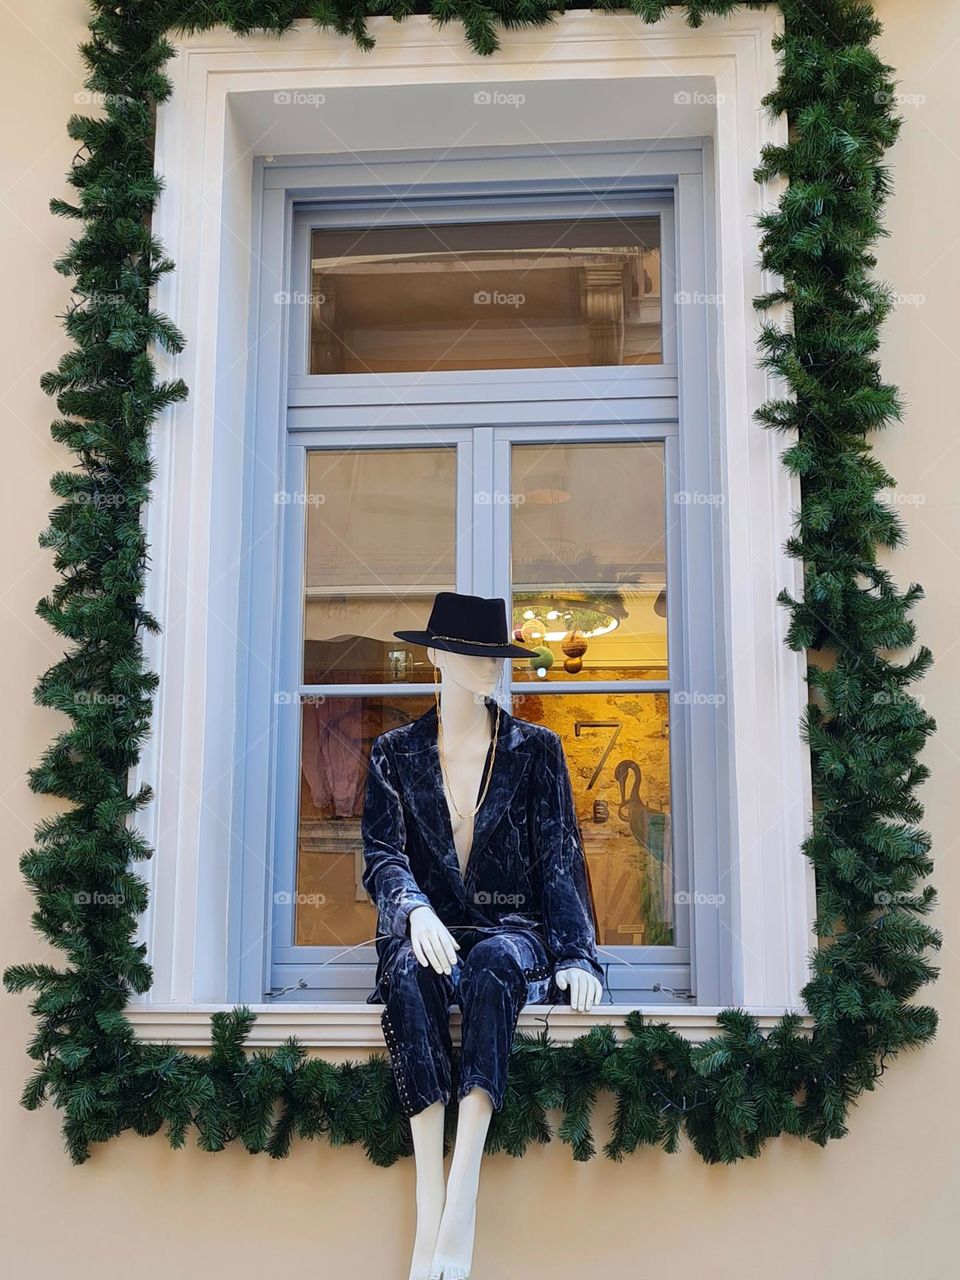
(468,624)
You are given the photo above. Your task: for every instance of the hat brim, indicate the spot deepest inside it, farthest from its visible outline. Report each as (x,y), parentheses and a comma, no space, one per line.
(464,646)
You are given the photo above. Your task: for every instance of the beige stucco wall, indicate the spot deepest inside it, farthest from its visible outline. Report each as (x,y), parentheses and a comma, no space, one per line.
(879,1204)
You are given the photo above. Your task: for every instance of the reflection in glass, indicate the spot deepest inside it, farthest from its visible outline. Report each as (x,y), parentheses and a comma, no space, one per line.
(589,561)
(380,543)
(486,296)
(331,906)
(618,750)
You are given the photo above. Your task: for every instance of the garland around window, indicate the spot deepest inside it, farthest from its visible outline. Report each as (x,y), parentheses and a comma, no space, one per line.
(864,728)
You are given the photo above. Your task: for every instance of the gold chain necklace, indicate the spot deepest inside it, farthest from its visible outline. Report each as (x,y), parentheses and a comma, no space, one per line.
(442,755)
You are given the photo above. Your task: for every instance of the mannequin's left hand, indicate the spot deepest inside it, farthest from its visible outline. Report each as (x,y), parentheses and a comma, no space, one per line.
(585,988)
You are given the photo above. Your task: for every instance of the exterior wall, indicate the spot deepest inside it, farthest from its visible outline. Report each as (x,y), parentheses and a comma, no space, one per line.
(890,1183)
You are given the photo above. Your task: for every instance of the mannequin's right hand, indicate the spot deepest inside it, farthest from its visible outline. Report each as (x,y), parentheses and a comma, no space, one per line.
(433,943)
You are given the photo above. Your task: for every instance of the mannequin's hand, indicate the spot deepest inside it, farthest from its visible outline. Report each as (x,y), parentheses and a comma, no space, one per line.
(432,942)
(585,988)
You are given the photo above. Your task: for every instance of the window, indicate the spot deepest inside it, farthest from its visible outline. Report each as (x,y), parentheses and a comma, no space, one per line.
(223,758)
(582,526)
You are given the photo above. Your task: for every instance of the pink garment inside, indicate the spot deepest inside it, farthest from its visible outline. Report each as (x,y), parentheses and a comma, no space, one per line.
(331,755)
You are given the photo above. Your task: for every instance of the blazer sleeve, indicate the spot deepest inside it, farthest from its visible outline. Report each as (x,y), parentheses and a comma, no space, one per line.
(566,898)
(387,876)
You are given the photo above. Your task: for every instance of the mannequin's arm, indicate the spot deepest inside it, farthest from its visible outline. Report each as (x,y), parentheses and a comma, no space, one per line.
(566,900)
(387,876)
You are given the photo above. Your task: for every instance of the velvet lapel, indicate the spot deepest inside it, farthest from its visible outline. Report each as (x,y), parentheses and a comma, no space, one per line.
(418,764)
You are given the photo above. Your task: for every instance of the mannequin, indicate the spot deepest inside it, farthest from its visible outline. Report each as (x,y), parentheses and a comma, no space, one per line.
(495,960)
(448,1236)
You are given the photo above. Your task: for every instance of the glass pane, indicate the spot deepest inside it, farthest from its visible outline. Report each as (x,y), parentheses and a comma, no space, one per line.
(495,295)
(589,561)
(381,542)
(331,907)
(618,750)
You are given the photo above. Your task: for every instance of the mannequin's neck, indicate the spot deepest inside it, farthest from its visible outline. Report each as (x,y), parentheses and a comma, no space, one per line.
(463,714)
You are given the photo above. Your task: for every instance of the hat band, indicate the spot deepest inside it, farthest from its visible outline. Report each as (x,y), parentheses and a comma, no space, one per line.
(494,644)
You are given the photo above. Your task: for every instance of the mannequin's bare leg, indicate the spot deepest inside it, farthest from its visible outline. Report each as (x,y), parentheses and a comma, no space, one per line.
(454,1252)
(427,1130)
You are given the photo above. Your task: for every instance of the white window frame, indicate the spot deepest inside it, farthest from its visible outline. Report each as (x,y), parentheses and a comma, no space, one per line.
(205,218)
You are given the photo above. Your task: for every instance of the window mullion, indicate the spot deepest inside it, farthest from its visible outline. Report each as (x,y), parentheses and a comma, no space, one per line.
(477,518)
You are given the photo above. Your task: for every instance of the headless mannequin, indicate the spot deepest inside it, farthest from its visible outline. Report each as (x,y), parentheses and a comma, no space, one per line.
(443,1247)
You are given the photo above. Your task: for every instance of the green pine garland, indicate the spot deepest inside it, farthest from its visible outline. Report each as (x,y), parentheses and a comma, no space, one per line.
(864,728)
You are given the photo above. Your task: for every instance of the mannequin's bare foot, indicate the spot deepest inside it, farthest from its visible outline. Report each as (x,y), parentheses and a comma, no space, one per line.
(425,1243)
(453,1256)
(427,1129)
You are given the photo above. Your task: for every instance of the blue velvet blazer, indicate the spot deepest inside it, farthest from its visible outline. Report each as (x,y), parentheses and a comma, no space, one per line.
(526,868)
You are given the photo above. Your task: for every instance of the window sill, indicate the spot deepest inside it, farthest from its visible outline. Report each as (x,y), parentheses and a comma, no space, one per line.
(357,1026)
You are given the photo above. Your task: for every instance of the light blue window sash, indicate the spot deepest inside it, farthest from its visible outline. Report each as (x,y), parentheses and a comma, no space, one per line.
(481,415)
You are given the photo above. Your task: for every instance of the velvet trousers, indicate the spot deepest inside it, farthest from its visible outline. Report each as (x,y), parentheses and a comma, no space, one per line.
(496,974)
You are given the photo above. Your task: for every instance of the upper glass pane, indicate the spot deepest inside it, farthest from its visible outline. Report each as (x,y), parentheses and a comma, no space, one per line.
(589,561)
(494,295)
(380,543)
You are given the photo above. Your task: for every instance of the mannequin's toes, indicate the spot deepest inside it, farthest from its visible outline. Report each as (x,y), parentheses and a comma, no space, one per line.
(445,1270)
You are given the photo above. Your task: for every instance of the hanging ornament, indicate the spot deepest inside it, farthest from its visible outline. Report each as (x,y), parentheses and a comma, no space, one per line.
(574,644)
(542,660)
(572,665)
(533,632)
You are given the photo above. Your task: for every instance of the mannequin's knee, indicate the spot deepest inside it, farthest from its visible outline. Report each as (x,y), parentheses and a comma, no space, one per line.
(497,959)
